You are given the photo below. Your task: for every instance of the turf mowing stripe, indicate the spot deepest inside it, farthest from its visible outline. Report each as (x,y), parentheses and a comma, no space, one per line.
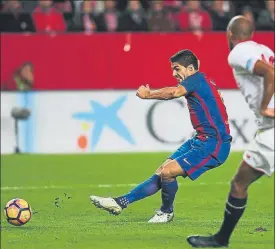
(99,186)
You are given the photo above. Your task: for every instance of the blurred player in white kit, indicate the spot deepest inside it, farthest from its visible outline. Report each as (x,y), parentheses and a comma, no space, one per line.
(253,69)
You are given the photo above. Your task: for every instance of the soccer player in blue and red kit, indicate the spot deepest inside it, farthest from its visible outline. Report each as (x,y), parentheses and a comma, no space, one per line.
(208,149)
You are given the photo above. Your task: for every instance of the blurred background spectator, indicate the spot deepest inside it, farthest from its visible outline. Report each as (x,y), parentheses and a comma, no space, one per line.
(133,18)
(131,15)
(14,19)
(47,18)
(67,8)
(159,19)
(193,18)
(173,5)
(248,13)
(88,17)
(108,19)
(266,19)
(221,13)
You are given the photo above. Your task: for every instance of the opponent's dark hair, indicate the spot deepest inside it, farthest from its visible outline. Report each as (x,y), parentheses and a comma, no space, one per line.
(185,58)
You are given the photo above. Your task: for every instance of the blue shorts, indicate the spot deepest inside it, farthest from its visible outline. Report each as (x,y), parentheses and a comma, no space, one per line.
(196,156)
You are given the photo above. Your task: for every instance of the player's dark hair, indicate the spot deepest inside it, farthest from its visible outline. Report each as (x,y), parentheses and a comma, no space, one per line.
(185,58)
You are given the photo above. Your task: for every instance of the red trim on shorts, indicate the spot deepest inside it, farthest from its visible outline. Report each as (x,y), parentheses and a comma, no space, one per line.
(193,169)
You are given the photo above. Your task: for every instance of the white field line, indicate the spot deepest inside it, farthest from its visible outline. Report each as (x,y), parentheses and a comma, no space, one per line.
(8,188)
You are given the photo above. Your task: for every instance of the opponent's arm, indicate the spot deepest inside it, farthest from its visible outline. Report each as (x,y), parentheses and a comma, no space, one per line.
(266,71)
(144,92)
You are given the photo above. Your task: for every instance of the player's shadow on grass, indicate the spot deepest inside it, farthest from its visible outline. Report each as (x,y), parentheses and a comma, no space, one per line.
(115,220)
(25,228)
(119,220)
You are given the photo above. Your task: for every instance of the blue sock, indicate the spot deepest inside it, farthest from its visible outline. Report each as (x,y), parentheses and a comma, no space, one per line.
(143,190)
(169,190)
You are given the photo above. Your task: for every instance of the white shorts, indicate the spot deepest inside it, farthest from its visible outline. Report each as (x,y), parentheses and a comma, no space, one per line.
(260,152)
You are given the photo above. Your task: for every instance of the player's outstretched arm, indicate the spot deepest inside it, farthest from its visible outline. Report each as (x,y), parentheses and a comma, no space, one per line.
(266,71)
(144,92)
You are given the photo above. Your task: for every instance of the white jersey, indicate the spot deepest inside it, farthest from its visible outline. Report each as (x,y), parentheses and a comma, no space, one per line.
(242,59)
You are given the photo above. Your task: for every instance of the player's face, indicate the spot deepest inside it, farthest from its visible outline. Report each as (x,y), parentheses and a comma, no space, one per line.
(179,72)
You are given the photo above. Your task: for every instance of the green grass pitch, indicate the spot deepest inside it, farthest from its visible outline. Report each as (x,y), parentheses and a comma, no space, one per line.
(76,224)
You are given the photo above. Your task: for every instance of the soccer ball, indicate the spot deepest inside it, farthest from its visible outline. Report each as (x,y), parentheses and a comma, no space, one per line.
(18,212)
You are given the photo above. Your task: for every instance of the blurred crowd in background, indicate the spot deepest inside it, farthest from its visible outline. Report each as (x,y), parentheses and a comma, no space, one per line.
(122,15)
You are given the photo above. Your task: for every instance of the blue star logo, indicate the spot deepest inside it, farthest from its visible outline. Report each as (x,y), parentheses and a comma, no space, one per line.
(105,116)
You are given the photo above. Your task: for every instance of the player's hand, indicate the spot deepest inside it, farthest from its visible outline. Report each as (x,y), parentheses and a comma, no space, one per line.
(268,112)
(143,92)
